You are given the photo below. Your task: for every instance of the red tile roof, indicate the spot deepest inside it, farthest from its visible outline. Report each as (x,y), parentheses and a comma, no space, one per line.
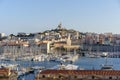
(4,71)
(82,72)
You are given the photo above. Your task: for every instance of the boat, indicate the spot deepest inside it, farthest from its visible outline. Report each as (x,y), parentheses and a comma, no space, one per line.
(91,54)
(104,54)
(38,68)
(70,58)
(39,58)
(10,66)
(106,66)
(65,67)
(56,59)
(71,67)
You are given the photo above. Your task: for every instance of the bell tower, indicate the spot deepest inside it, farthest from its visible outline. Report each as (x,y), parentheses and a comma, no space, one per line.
(59,26)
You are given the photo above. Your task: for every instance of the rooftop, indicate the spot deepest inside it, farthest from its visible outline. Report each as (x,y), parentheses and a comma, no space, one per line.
(83,72)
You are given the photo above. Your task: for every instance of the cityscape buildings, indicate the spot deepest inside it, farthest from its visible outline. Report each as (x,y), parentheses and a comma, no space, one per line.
(59,40)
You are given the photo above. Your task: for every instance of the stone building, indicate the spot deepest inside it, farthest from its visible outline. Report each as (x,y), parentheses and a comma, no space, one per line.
(78,75)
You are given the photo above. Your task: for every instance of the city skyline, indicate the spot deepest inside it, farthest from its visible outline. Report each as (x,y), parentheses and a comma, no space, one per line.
(82,15)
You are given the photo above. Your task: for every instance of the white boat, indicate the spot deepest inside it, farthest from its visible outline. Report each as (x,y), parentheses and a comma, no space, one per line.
(107,67)
(38,68)
(71,67)
(64,58)
(70,58)
(104,54)
(10,66)
(39,58)
(65,67)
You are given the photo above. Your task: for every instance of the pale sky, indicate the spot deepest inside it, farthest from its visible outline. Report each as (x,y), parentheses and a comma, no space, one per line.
(39,15)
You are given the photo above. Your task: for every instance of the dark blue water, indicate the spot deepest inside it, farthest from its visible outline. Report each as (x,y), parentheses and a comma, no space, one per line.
(96,63)
(83,62)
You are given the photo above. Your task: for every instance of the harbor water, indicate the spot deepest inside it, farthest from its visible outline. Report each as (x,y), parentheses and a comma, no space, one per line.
(82,62)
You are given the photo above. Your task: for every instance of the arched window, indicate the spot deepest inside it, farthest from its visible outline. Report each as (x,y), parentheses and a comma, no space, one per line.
(60,76)
(75,77)
(110,77)
(43,76)
(93,77)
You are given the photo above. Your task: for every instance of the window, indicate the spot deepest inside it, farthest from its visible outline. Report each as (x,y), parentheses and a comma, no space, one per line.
(43,76)
(93,77)
(110,77)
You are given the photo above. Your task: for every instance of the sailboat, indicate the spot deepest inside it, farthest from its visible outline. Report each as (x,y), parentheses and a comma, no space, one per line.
(106,66)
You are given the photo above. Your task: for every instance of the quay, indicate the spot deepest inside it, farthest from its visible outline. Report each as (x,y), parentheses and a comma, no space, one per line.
(78,75)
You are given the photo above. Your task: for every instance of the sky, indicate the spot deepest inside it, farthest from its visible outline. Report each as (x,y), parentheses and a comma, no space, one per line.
(31,16)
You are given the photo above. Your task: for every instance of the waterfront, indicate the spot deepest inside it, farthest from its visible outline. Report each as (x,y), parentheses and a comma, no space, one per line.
(82,62)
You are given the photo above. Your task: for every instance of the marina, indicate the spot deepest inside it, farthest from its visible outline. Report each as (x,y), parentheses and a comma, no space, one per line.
(29,69)
(28,66)
(59,49)
(60,40)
